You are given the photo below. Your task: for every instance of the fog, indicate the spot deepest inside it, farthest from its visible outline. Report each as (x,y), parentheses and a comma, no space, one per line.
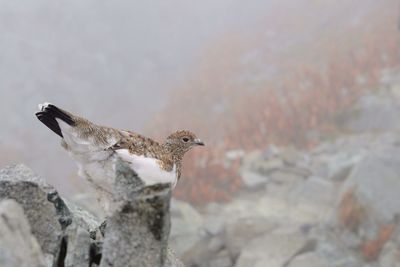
(298,102)
(113,63)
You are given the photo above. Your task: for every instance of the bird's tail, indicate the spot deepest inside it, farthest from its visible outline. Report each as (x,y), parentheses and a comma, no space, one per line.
(49,113)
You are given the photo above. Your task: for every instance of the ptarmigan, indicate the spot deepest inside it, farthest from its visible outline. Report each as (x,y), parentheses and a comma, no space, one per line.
(95,149)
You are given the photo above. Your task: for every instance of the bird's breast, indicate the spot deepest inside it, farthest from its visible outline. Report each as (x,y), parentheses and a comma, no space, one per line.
(148,169)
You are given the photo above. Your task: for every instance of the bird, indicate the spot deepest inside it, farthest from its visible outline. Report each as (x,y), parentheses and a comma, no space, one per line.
(96,148)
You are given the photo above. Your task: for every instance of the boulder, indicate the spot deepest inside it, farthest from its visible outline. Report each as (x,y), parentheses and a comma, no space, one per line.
(78,248)
(311,259)
(44,209)
(137,231)
(253,179)
(186,226)
(221,259)
(172,260)
(272,250)
(204,251)
(239,233)
(390,255)
(377,111)
(18,247)
(376,183)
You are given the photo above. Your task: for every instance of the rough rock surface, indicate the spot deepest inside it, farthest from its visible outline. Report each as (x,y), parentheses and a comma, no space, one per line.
(271,250)
(136,233)
(336,205)
(33,194)
(18,247)
(138,229)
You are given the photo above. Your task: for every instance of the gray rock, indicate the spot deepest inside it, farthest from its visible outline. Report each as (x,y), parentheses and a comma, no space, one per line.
(18,247)
(46,212)
(318,195)
(139,226)
(239,233)
(265,167)
(253,179)
(250,158)
(291,156)
(377,111)
(235,154)
(222,259)
(204,251)
(186,226)
(377,184)
(390,256)
(271,250)
(311,259)
(81,217)
(172,260)
(78,249)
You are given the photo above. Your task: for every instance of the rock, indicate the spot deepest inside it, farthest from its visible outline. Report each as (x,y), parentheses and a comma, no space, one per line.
(390,255)
(311,259)
(172,260)
(45,210)
(83,219)
(341,174)
(234,154)
(376,182)
(78,235)
(337,166)
(281,183)
(18,247)
(250,158)
(253,179)
(317,195)
(265,167)
(271,151)
(139,226)
(291,156)
(222,259)
(204,251)
(186,223)
(78,249)
(377,111)
(239,233)
(271,250)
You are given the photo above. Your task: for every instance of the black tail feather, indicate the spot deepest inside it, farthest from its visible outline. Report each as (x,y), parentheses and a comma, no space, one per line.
(48,116)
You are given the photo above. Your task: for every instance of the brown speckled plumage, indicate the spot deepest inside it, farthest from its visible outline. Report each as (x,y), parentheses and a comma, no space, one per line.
(168,154)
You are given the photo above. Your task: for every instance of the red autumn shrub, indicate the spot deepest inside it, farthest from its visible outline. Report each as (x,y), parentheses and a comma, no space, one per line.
(232,104)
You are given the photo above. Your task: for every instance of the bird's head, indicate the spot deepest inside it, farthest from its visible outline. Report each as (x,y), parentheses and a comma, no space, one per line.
(182,141)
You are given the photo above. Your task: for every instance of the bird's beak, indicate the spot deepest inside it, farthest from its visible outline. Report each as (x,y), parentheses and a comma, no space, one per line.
(198,142)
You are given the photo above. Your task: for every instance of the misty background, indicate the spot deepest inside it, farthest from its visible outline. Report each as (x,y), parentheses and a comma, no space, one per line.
(298,102)
(114,63)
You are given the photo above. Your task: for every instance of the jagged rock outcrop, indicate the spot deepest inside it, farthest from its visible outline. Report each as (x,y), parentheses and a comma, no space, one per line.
(56,233)
(39,202)
(18,247)
(137,231)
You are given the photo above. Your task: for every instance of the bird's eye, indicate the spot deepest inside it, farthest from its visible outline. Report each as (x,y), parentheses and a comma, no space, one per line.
(185,139)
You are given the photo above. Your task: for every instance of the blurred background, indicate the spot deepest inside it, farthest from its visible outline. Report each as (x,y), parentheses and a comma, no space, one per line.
(298,102)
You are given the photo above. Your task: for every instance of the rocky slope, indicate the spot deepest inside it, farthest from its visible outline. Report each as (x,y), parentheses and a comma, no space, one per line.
(337,205)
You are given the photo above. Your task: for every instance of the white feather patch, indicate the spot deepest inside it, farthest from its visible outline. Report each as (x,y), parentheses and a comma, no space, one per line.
(43,106)
(148,169)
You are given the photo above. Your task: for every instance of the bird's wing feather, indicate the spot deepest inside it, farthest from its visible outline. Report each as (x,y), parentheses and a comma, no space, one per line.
(88,142)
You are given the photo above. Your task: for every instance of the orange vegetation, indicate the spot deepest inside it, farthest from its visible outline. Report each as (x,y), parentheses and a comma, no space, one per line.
(371,249)
(350,212)
(246,95)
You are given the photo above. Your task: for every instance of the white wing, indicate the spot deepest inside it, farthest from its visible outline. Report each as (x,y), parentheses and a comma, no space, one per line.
(84,149)
(148,169)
